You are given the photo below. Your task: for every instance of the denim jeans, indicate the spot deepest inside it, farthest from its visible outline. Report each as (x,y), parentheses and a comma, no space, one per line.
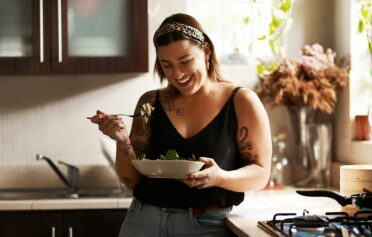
(144,220)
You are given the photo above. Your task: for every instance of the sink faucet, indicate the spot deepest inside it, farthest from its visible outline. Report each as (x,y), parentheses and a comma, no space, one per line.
(72,180)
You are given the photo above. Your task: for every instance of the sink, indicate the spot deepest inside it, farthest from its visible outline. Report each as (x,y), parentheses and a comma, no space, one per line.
(38,194)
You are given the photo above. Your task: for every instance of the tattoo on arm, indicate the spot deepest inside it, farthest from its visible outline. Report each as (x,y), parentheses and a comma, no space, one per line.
(139,146)
(126,149)
(246,147)
(138,128)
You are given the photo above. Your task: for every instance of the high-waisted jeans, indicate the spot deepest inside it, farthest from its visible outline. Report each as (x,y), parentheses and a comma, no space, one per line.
(144,220)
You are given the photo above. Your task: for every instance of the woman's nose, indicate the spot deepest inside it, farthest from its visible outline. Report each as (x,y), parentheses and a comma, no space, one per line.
(178,74)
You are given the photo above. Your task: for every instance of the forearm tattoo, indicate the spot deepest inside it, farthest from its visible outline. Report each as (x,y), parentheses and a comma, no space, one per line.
(139,147)
(126,149)
(246,147)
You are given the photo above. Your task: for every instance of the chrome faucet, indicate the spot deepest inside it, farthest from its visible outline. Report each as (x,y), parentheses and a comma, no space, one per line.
(72,180)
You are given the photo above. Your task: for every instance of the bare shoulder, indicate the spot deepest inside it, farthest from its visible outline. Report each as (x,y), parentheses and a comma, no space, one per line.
(148,97)
(247,101)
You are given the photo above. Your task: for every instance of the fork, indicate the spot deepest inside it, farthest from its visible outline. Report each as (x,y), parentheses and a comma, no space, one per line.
(125,115)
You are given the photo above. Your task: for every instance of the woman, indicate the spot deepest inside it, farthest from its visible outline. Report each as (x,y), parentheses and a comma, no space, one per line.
(201,114)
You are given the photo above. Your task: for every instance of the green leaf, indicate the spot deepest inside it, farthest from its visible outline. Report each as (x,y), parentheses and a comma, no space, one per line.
(276,21)
(145,119)
(365,12)
(142,156)
(262,37)
(273,66)
(274,46)
(370,46)
(260,69)
(173,155)
(361,26)
(286,5)
(246,20)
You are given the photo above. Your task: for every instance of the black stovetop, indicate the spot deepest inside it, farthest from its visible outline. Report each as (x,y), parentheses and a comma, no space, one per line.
(331,224)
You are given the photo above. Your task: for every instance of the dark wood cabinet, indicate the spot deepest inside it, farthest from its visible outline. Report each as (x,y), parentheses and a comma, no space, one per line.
(67,36)
(77,223)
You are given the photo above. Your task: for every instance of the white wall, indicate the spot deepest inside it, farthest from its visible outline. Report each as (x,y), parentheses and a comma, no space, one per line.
(47,114)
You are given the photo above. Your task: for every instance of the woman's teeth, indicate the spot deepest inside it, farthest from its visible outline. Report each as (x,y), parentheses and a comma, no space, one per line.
(184,80)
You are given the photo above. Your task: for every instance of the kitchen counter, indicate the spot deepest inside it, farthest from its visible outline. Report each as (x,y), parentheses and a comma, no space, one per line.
(259,205)
(262,205)
(63,204)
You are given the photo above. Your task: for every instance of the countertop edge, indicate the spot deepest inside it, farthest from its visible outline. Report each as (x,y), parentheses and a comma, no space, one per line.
(65,204)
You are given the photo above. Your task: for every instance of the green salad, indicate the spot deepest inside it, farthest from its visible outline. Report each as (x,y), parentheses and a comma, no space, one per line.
(145,111)
(170,155)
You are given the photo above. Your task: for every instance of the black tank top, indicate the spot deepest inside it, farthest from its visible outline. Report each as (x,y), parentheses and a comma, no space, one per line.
(217,140)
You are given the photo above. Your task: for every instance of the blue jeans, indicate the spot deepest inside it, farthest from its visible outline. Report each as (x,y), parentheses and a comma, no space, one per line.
(144,220)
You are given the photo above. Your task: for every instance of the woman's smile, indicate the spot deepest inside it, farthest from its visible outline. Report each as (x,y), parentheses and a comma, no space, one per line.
(184,81)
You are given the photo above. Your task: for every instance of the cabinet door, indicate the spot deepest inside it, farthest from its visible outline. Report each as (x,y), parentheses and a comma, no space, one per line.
(92,223)
(29,224)
(19,224)
(24,37)
(82,223)
(112,222)
(98,36)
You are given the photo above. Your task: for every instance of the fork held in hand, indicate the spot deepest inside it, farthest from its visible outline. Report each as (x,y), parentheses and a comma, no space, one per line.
(126,115)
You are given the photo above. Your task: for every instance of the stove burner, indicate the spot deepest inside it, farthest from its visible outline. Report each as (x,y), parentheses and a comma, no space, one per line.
(332,224)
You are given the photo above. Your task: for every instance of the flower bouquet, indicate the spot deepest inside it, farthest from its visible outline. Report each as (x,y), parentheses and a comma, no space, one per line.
(312,80)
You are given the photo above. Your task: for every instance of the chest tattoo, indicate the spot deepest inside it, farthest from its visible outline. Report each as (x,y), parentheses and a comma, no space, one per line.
(168,101)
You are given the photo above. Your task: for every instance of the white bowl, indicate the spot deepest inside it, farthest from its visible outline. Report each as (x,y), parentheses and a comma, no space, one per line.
(170,169)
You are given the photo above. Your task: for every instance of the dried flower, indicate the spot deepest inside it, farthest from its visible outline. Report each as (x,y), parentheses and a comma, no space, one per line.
(312,80)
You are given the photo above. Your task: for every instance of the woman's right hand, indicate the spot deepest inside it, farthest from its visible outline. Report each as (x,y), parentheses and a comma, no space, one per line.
(110,125)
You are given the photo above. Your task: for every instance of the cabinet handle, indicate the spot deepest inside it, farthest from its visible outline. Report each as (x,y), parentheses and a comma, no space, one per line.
(53,231)
(41,26)
(70,232)
(59,10)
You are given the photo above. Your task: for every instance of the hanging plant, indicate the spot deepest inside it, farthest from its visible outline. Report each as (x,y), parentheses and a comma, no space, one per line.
(280,21)
(365,21)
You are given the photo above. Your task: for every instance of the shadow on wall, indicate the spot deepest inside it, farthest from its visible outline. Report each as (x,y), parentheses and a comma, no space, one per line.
(21,92)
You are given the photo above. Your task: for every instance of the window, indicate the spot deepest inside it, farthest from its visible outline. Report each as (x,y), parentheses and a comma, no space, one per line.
(234,26)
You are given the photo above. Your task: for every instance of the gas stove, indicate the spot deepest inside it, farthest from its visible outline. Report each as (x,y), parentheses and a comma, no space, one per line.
(331,224)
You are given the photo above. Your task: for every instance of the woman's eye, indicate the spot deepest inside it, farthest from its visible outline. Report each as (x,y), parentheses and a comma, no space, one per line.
(186,61)
(166,66)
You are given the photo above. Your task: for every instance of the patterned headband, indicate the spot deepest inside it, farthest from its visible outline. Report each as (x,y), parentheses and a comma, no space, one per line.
(182,28)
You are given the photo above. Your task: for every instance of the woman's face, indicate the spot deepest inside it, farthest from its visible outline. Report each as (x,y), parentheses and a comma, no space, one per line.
(184,65)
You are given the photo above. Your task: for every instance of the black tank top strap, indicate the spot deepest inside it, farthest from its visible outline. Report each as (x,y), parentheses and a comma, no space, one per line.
(157,96)
(235,91)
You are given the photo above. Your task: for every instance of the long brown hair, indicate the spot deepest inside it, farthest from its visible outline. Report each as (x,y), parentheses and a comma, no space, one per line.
(167,38)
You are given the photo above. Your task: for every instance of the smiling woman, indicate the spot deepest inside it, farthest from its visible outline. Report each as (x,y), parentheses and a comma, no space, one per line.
(197,114)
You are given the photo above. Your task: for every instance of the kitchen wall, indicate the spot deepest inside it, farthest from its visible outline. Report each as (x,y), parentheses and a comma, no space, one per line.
(47,114)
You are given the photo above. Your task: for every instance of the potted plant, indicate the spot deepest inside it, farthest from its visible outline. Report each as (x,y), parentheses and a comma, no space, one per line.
(306,86)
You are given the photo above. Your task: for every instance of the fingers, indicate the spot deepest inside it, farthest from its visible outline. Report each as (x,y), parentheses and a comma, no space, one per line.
(210,176)
(97,118)
(199,180)
(208,162)
(107,123)
(111,122)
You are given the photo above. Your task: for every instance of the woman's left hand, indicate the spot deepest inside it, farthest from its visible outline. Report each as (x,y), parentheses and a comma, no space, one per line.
(211,175)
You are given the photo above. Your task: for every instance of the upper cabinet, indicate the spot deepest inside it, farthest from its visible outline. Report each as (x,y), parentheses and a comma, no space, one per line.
(73,36)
